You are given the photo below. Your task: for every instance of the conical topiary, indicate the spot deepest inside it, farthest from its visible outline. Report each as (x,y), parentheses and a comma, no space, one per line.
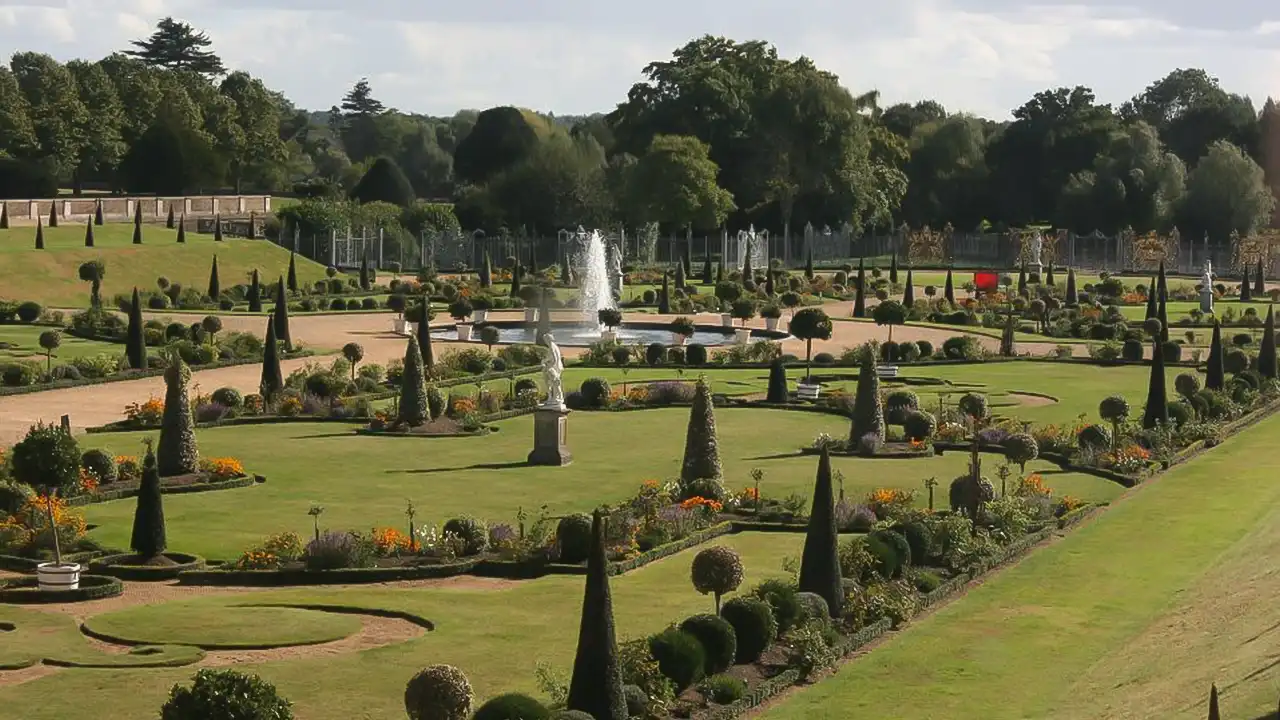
(706,269)
(253,226)
(217,228)
(1267,351)
(1048,275)
(281,314)
(1152,309)
(720,272)
(272,381)
(515,281)
(97,214)
(39,234)
(768,280)
(486,272)
(747,272)
(1260,281)
(596,685)
(88,233)
(148,539)
(137,223)
(182,229)
(909,292)
(860,298)
(701,446)
(53,214)
(1214,713)
(424,336)
(1072,298)
(777,382)
(544,315)
(1022,280)
(254,295)
(686,260)
(820,562)
(1215,377)
(293,273)
(177,454)
(893,267)
(808,263)
(680,276)
(215,285)
(1157,412)
(1163,308)
(169,220)
(949,289)
(868,413)
(414,410)
(135,346)
(566,273)
(365,283)
(1246,287)
(664,298)
(4,215)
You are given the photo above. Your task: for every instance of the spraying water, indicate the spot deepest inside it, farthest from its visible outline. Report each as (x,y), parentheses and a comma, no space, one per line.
(593,277)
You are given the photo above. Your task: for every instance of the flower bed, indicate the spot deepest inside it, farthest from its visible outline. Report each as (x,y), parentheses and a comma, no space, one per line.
(26,590)
(130,567)
(296,575)
(169,486)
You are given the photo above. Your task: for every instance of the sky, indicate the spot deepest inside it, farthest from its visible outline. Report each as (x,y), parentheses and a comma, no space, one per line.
(581,56)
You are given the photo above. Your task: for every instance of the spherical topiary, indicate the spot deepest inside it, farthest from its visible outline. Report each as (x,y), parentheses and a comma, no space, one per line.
(435,402)
(717,570)
(898,404)
(637,701)
(1187,384)
(1152,326)
(439,692)
(891,551)
(719,644)
(1235,360)
(228,397)
(1095,437)
(595,392)
(926,348)
(524,384)
(1021,448)
(919,425)
(655,353)
(101,464)
(919,538)
(753,625)
(573,538)
(218,694)
(512,706)
(1180,413)
(974,405)
(473,532)
(813,607)
(1132,350)
(681,657)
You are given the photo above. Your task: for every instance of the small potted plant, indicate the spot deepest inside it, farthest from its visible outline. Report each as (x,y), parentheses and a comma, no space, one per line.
(743,309)
(611,318)
(461,310)
(808,325)
(481,305)
(682,328)
(771,313)
(397,304)
(48,459)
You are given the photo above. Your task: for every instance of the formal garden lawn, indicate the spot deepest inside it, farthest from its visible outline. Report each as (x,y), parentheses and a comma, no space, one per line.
(1125,617)
(364,482)
(50,277)
(22,342)
(229,628)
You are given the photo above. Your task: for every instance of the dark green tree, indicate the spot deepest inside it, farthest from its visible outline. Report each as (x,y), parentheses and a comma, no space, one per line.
(365,283)
(169,221)
(808,263)
(254,295)
(272,381)
(664,297)
(893,268)
(1267,351)
(4,216)
(98,219)
(177,46)
(137,223)
(1215,371)
(909,292)
(949,289)
(182,229)
(281,314)
(414,410)
(217,228)
(177,454)
(39,234)
(706,269)
(868,411)
(424,336)
(148,539)
(135,347)
(1153,310)
(385,182)
(293,273)
(1157,410)
(596,686)
(215,286)
(820,562)
(501,138)
(1260,281)
(701,445)
(53,214)
(777,381)
(88,233)
(860,298)
(1072,298)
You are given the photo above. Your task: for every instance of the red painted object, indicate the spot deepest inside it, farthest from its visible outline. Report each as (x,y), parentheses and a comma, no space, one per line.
(986,281)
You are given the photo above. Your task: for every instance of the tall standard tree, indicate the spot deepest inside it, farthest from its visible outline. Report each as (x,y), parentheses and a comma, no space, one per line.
(596,686)
(1267,352)
(820,562)
(860,296)
(254,295)
(281,314)
(1215,377)
(148,538)
(701,445)
(135,346)
(1157,412)
(272,381)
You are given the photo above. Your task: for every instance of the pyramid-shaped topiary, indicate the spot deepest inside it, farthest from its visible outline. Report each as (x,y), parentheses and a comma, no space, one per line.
(1267,351)
(293,273)
(39,234)
(217,228)
(664,298)
(596,686)
(909,293)
(135,346)
(254,295)
(414,410)
(820,563)
(868,413)
(182,229)
(1072,297)
(281,314)
(860,297)
(1215,377)
(366,284)
(949,289)
(178,454)
(1157,412)
(777,382)
(893,267)
(215,285)
(486,272)
(701,446)
(808,262)
(1163,308)
(424,336)
(1260,282)
(272,381)
(88,233)
(137,223)
(1152,294)
(148,539)
(706,269)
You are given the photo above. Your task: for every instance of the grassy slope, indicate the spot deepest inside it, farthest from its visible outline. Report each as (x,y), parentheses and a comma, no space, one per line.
(50,276)
(25,344)
(1133,615)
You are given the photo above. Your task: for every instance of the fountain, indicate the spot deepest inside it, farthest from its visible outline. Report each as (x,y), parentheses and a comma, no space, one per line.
(594,284)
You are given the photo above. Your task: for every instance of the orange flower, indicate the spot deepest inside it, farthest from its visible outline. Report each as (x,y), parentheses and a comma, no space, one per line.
(1031,485)
(88,481)
(390,540)
(150,412)
(222,468)
(694,503)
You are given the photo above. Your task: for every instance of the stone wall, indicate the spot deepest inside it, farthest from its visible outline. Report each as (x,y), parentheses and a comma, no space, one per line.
(121,209)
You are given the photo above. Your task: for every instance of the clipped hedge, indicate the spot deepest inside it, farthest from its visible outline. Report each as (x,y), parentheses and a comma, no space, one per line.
(346,576)
(26,590)
(122,493)
(111,565)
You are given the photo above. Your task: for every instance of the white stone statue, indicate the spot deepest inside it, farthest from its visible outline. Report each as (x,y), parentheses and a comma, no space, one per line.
(1037,246)
(1207,279)
(1206,287)
(552,369)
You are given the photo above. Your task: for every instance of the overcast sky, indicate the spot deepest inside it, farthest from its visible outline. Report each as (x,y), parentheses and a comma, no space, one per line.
(581,56)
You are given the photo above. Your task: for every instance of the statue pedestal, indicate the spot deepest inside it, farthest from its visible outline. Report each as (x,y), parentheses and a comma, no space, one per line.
(1206,300)
(549,438)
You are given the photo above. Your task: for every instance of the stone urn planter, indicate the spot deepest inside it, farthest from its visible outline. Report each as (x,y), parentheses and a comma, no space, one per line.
(54,577)
(726,319)
(679,340)
(464,332)
(609,336)
(531,315)
(400,326)
(742,336)
(771,324)
(480,315)
(806,391)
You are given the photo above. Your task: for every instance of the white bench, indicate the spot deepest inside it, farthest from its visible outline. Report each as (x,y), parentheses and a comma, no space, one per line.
(887,371)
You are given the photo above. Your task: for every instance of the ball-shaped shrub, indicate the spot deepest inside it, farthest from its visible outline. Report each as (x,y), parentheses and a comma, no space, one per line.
(101,464)
(813,607)
(926,348)
(216,694)
(524,384)
(889,351)
(1021,448)
(824,358)
(158,302)
(695,354)
(473,532)
(573,538)
(595,392)
(719,644)
(439,692)
(512,706)
(1172,351)
(919,425)
(649,297)
(753,625)
(29,311)
(898,404)
(681,658)
(1180,413)
(891,551)
(717,570)
(919,538)
(1131,350)
(974,405)
(228,397)
(1241,339)
(1094,437)
(1187,384)
(637,701)
(675,355)
(1152,326)
(1235,360)
(655,353)
(781,596)
(337,304)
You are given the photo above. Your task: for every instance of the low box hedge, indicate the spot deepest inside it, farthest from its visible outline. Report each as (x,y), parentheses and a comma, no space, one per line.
(109,495)
(347,576)
(112,566)
(26,590)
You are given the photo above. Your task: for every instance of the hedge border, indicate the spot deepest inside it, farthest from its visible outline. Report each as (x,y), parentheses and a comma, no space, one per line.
(25,591)
(108,496)
(145,573)
(19,564)
(347,576)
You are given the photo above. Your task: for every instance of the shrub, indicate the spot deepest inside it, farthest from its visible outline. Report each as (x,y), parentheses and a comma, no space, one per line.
(973,405)
(891,551)
(655,353)
(101,464)
(753,625)
(919,540)
(338,550)
(595,392)
(1131,350)
(781,597)
(723,689)
(962,347)
(637,701)
(1187,384)
(573,538)
(512,706)
(926,348)
(226,695)
(46,457)
(1096,437)
(696,354)
(435,402)
(439,692)
(1180,413)
(719,644)
(717,570)
(19,374)
(898,404)
(813,607)
(474,534)
(680,656)
(29,311)
(1235,361)
(228,397)
(919,425)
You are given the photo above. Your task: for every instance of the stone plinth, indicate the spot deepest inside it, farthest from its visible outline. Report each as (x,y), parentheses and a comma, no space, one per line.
(549,446)
(1206,300)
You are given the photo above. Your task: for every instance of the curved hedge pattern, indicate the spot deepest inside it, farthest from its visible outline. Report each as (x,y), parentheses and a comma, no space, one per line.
(110,565)
(26,590)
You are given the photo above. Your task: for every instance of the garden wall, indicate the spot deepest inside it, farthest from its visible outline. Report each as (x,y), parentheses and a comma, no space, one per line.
(122,209)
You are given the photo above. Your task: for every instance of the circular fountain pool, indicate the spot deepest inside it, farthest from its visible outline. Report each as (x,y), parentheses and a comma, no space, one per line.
(511,332)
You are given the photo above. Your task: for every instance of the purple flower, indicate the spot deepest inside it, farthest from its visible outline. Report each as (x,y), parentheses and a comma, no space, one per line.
(851,517)
(502,533)
(669,392)
(992,436)
(210,412)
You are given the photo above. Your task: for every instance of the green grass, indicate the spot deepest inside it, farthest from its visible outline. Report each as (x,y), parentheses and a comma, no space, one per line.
(1133,615)
(22,342)
(39,636)
(50,277)
(232,628)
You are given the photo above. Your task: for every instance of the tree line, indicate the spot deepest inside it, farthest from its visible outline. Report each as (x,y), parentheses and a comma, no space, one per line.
(721,133)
